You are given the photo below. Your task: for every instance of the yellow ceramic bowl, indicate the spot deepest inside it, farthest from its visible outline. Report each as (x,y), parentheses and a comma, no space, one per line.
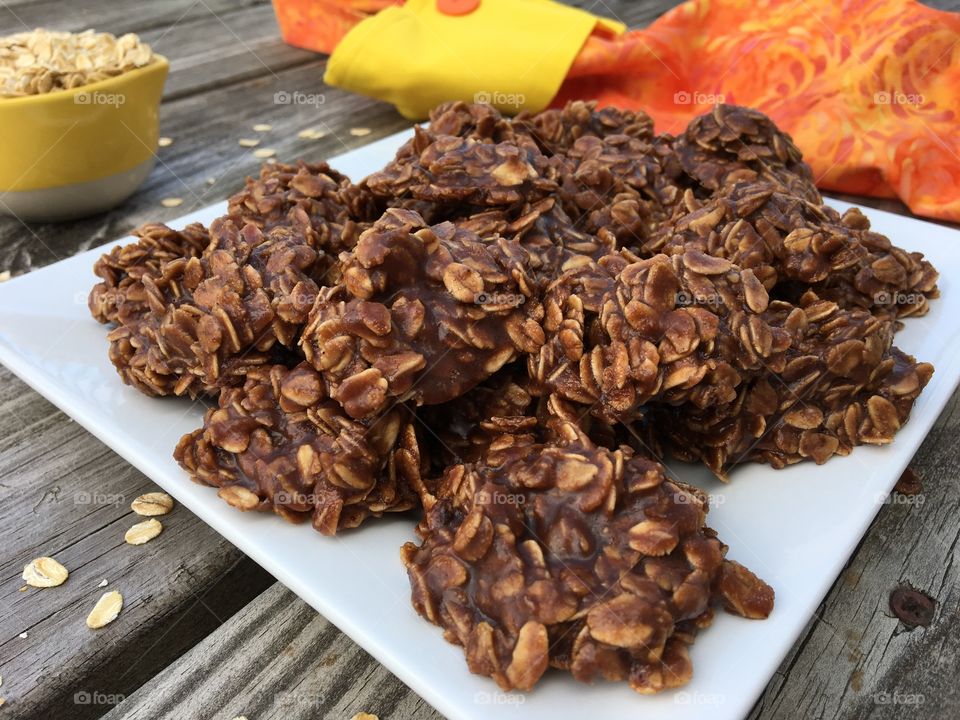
(72,153)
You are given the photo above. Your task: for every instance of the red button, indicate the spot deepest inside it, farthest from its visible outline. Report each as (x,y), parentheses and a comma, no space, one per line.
(457,7)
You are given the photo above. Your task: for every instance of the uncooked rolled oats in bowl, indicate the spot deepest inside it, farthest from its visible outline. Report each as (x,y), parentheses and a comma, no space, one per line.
(79,121)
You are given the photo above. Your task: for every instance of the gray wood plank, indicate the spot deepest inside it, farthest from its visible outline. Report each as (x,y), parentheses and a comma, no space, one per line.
(64,494)
(224,48)
(856,659)
(116,16)
(276,660)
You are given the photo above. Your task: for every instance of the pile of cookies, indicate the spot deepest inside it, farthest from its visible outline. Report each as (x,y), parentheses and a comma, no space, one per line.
(506,329)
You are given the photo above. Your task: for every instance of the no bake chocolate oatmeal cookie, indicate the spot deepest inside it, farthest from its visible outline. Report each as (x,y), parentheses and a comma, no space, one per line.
(504,330)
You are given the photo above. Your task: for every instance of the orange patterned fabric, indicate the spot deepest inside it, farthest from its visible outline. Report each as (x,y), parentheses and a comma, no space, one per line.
(869,89)
(320,24)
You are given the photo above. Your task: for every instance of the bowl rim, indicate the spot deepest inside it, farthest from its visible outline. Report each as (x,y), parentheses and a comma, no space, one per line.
(159,61)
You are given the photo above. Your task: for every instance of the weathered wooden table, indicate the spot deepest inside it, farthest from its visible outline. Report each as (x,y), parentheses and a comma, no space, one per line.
(208,634)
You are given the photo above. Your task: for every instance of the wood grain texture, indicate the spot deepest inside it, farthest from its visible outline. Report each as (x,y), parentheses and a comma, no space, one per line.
(66,495)
(274,657)
(246,47)
(276,660)
(856,659)
(116,16)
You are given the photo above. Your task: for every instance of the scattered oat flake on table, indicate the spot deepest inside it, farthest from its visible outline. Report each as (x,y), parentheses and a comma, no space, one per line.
(211,181)
(248,142)
(311,134)
(143,532)
(263,127)
(44,572)
(106,610)
(165,142)
(23,636)
(264,153)
(359,132)
(151,504)
(171,202)
(23,589)
(364,716)
(4,276)
(103,583)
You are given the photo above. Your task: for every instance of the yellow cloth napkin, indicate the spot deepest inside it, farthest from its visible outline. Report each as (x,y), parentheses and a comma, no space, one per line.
(513,54)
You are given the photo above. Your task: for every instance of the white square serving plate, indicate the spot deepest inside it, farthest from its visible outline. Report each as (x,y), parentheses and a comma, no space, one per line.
(796,528)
